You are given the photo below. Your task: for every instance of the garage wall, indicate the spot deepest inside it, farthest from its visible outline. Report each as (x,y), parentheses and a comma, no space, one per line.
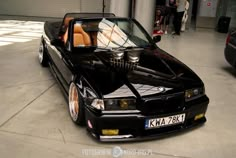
(231,12)
(206,17)
(94,5)
(50,8)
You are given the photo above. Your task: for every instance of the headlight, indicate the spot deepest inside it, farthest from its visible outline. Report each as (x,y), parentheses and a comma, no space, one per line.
(98,104)
(120,104)
(194,93)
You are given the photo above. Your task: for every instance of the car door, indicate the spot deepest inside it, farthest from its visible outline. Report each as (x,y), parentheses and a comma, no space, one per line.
(60,64)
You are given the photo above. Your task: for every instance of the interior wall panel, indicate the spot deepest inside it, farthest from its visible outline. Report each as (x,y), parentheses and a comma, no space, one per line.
(50,8)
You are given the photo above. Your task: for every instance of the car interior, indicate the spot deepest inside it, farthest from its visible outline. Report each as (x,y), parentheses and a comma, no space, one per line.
(98,33)
(80,37)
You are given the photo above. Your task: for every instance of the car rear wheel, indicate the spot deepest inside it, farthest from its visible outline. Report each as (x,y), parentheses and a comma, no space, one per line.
(43,59)
(76,107)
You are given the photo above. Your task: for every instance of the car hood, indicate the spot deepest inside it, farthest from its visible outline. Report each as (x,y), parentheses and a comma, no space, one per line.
(156,72)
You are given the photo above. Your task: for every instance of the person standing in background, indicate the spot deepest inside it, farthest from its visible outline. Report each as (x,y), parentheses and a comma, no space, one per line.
(178,16)
(170,9)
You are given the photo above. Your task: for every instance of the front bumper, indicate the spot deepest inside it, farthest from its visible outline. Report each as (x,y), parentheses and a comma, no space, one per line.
(132,125)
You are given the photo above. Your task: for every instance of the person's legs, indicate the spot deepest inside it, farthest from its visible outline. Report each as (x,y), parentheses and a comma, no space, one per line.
(162,23)
(166,29)
(167,19)
(178,22)
(175,23)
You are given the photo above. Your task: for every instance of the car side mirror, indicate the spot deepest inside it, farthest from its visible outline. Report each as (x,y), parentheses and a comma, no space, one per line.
(157,39)
(56,42)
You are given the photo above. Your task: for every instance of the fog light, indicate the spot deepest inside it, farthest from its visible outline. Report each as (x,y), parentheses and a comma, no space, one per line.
(110,131)
(124,104)
(199,116)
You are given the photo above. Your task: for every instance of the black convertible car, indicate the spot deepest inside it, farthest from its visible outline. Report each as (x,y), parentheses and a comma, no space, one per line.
(117,81)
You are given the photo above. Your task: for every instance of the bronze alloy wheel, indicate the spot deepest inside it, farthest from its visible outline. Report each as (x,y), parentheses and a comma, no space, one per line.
(73,102)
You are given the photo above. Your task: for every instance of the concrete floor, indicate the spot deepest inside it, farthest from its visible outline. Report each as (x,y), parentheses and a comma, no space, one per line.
(35,123)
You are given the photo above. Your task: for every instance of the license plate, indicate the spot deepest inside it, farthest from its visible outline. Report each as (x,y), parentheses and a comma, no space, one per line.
(164,121)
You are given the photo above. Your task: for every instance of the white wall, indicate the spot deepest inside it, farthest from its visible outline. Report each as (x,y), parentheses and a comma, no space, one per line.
(50,8)
(94,6)
(207,8)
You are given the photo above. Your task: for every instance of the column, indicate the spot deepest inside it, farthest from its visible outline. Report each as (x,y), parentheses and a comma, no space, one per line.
(120,7)
(145,13)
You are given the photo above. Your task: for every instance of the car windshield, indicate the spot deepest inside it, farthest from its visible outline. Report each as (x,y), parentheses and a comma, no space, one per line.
(110,33)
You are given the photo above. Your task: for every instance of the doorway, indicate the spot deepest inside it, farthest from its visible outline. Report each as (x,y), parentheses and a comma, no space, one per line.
(194,13)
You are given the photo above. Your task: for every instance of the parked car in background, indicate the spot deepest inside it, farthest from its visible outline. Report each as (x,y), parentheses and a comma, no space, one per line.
(230,48)
(117,81)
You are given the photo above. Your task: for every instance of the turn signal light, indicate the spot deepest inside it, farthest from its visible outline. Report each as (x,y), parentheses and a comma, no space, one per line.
(110,131)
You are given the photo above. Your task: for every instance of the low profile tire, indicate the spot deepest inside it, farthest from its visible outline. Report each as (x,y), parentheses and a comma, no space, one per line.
(76,107)
(43,58)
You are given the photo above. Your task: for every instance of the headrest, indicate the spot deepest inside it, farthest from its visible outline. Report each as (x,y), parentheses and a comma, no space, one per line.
(78,28)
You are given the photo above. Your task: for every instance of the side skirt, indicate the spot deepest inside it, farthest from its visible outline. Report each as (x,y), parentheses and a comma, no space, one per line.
(53,71)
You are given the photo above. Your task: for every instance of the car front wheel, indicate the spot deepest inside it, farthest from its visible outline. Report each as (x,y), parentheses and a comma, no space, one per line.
(43,59)
(76,107)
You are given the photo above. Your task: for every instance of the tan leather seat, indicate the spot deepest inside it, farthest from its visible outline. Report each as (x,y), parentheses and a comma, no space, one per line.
(81,38)
(65,36)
